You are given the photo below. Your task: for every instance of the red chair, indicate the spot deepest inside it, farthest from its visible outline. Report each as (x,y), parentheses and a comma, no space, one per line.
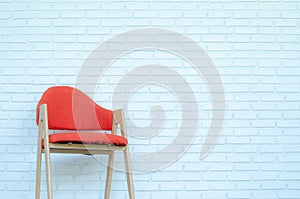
(67,108)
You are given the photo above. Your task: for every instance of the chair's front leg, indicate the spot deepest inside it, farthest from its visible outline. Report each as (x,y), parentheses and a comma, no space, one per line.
(38,176)
(44,120)
(128,173)
(109,174)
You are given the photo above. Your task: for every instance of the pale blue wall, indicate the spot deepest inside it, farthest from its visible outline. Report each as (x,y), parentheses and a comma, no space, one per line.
(255,46)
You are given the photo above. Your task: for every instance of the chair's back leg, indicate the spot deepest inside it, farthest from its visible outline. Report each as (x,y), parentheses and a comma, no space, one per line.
(48,169)
(48,174)
(39,164)
(128,173)
(109,174)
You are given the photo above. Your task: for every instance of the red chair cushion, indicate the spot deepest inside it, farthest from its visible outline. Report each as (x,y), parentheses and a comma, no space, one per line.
(87,138)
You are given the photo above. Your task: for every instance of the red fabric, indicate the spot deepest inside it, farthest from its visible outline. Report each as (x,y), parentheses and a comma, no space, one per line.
(70,109)
(87,138)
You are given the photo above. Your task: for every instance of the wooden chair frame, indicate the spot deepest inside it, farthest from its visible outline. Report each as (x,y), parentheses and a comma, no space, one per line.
(118,119)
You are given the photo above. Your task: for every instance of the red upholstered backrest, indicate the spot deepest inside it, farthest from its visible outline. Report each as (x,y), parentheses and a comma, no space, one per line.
(70,109)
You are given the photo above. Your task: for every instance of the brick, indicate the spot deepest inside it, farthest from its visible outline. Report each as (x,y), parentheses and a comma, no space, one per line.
(291,31)
(244,15)
(270,149)
(266,194)
(239,194)
(293,185)
(266,176)
(214,167)
(269,15)
(238,140)
(224,186)
(246,30)
(163,14)
(191,176)
(221,30)
(288,139)
(90,194)
(274,185)
(38,23)
(235,7)
(264,158)
(239,176)
(262,6)
(47,15)
(69,186)
(288,123)
(16,176)
(214,176)
(195,167)
(292,149)
(236,22)
(286,23)
(240,158)
(164,194)
(215,194)
(291,15)
(244,185)
(194,14)
(12,194)
(15,167)
(292,157)
(292,194)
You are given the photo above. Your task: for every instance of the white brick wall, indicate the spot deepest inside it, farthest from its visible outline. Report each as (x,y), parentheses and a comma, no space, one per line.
(255,47)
